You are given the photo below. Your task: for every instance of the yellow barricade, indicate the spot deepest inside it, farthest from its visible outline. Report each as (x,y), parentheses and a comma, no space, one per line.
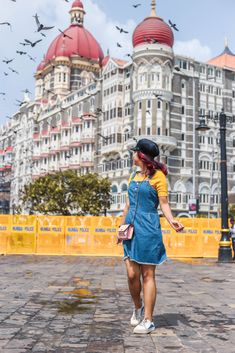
(22,238)
(50,235)
(5,231)
(96,236)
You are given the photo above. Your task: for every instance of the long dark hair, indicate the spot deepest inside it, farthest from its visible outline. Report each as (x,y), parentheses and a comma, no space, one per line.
(152,164)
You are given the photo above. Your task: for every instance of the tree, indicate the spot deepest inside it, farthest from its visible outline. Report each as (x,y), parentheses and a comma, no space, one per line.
(66,193)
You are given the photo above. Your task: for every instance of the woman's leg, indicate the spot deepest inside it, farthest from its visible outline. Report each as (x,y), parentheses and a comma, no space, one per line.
(150,290)
(133,273)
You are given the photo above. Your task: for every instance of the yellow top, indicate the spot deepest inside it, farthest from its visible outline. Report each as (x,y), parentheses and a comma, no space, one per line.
(158,181)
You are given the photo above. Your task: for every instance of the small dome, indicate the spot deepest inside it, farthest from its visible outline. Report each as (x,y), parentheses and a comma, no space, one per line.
(153,28)
(77,4)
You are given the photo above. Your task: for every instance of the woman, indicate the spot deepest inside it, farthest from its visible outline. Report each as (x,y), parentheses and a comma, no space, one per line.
(147,188)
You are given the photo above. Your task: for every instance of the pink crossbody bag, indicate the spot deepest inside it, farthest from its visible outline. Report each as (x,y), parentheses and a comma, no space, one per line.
(126,231)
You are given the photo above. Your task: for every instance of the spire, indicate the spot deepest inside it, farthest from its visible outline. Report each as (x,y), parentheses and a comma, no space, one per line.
(153,8)
(226,42)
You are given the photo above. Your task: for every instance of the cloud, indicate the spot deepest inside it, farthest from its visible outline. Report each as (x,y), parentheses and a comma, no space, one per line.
(55,13)
(194,49)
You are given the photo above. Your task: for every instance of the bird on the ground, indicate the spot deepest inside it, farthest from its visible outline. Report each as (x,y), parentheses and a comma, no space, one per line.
(173,25)
(121,30)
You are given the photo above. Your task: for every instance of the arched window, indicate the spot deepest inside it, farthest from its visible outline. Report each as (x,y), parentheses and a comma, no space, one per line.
(124,187)
(114,189)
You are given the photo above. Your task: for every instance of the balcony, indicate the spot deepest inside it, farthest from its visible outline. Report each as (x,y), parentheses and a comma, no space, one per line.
(112,148)
(87,139)
(186,172)
(77,121)
(87,164)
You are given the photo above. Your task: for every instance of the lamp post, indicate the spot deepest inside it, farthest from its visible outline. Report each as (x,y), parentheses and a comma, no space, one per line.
(225,251)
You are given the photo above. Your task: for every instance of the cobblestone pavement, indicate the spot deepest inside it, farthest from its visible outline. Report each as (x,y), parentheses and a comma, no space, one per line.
(81,304)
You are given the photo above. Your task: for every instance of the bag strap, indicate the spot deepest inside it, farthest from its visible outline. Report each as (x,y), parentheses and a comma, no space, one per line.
(137,193)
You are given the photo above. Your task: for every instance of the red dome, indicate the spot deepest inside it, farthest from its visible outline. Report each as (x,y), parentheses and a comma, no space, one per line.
(41,66)
(77,3)
(82,43)
(153,28)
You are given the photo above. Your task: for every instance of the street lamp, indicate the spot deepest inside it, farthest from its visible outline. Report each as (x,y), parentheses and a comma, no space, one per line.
(225,251)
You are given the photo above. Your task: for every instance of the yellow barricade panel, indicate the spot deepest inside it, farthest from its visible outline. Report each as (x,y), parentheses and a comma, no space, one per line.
(78,235)
(5,231)
(91,236)
(50,235)
(22,237)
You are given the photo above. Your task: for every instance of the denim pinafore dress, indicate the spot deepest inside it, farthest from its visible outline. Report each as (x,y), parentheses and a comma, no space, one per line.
(146,246)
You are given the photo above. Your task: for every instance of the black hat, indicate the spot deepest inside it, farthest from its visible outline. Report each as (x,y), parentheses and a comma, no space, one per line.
(147,147)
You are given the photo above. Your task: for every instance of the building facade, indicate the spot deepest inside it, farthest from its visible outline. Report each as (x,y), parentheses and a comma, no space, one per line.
(90,109)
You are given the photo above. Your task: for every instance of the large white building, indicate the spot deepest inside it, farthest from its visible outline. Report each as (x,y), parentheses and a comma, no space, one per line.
(88,109)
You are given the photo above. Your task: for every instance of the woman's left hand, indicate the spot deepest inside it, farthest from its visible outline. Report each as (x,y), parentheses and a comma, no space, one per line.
(176,225)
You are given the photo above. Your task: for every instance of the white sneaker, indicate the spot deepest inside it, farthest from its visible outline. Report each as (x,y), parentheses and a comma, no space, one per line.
(137,316)
(146,326)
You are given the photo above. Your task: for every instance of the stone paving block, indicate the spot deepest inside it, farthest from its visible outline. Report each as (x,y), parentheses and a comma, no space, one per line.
(65,304)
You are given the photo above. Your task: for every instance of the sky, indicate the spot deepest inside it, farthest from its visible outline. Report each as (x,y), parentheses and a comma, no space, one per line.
(203,26)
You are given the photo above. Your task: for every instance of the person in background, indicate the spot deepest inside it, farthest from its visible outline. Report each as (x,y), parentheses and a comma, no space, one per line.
(232,235)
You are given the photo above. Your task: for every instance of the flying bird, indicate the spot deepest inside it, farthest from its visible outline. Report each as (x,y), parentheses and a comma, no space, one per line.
(6,23)
(121,30)
(7,61)
(21,52)
(136,5)
(173,25)
(31,58)
(13,70)
(28,42)
(64,34)
(40,26)
(119,45)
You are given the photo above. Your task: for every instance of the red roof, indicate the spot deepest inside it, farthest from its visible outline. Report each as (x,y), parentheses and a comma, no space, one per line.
(153,28)
(77,3)
(82,44)
(224,60)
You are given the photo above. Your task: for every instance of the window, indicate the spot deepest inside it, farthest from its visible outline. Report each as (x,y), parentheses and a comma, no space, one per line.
(149,104)
(140,105)
(120,88)
(210,140)
(210,89)
(148,131)
(210,71)
(182,137)
(183,110)
(159,104)
(183,163)
(139,131)
(159,131)
(119,137)
(233,142)
(119,112)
